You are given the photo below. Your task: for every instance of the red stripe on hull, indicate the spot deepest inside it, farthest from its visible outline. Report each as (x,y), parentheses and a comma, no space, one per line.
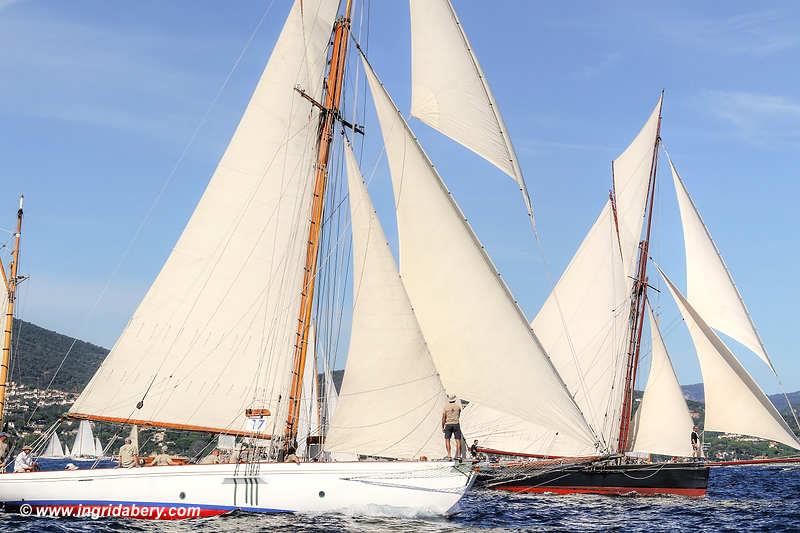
(120,511)
(621,491)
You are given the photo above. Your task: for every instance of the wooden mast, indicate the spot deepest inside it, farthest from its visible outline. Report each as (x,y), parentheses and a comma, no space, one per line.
(638,300)
(330,112)
(11,281)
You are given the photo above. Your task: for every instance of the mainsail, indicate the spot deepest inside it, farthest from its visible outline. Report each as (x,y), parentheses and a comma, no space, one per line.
(391,398)
(214,333)
(583,324)
(481,344)
(664,423)
(449,91)
(709,284)
(734,401)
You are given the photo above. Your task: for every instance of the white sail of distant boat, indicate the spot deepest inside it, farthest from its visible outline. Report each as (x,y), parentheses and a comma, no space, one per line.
(54,449)
(98,448)
(733,400)
(710,286)
(84,446)
(67,452)
(663,420)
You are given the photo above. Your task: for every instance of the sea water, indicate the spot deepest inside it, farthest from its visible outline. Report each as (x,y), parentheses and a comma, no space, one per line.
(758,498)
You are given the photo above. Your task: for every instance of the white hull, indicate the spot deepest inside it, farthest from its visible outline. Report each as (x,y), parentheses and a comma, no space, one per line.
(406,488)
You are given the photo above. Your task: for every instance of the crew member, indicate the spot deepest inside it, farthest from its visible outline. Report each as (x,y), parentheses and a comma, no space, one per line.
(24,461)
(697,451)
(162,459)
(212,458)
(450,425)
(128,455)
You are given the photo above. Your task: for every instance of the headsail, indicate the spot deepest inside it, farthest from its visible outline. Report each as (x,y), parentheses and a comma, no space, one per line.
(449,91)
(471,322)
(225,303)
(734,401)
(583,324)
(709,284)
(664,423)
(391,398)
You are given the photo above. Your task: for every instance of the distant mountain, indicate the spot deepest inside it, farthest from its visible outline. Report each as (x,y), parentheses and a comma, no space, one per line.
(38,352)
(694,392)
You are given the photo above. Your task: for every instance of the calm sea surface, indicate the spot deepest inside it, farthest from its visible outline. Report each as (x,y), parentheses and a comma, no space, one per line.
(739,499)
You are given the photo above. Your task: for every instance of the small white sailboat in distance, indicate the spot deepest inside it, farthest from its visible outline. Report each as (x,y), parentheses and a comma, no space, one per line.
(54,449)
(84,448)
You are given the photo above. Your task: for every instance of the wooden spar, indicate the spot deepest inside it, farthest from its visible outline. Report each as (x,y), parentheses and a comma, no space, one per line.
(167,425)
(330,111)
(638,299)
(11,281)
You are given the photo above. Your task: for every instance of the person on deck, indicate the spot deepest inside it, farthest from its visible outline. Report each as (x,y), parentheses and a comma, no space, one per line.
(4,448)
(697,452)
(128,455)
(24,461)
(291,456)
(163,458)
(212,458)
(451,426)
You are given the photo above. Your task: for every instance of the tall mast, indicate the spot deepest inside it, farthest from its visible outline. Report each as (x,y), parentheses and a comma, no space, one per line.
(11,281)
(638,299)
(330,111)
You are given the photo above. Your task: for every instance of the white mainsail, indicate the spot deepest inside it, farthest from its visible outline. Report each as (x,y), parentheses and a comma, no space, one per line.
(470,321)
(583,324)
(53,449)
(664,423)
(225,303)
(391,400)
(449,91)
(734,401)
(709,284)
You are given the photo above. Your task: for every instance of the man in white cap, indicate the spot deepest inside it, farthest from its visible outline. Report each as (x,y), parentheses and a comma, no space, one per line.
(451,426)
(24,461)
(162,459)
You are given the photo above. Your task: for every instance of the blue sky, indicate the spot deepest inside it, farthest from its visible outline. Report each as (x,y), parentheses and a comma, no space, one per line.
(98,100)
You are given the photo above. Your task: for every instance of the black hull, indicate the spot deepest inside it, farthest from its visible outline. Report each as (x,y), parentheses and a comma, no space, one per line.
(685,479)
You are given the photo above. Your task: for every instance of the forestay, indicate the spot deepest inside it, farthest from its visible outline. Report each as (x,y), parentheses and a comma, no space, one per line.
(480,341)
(664,423)
(583,324)
(709,284)
(391,400)
(734,401)
(215,331)
(449,91)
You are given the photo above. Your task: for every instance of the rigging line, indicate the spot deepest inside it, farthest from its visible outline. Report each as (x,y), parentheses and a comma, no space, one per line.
(156,200)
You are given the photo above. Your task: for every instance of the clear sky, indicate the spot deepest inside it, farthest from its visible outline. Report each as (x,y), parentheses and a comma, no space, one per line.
(98,100)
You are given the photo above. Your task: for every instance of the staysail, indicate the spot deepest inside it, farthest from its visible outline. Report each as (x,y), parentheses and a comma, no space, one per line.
(583,324)
(391,398)
(664,423)
(226,300)
(709,284)
(734,401)
(449,91)
(470,321)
